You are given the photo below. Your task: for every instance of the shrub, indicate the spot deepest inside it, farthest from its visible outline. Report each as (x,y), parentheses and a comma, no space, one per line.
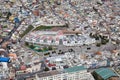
(50,48)
(26,43)
(32,47)
(103,42)
(98,44)
(46,69)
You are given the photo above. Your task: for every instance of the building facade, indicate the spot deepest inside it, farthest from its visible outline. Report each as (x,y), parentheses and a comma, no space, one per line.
(73,73)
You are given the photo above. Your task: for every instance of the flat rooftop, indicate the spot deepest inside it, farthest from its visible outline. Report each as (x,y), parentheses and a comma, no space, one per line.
(50,73)
(75,69)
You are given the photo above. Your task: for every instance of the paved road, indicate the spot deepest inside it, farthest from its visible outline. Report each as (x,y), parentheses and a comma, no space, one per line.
(6,38)
(83,49)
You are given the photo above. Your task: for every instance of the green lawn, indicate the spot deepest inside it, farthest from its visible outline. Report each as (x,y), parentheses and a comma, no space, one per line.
(39,48)
(0,14)
(42,27)
(26,31)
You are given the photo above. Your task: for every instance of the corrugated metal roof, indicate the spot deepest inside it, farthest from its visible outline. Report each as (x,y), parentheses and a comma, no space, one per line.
(75,69)
(105,73)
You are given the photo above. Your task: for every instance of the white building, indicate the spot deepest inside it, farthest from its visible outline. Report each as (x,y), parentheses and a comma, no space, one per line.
(73,73)
(66,38)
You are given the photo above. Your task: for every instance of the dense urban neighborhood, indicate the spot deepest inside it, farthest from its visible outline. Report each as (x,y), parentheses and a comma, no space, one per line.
(59,39)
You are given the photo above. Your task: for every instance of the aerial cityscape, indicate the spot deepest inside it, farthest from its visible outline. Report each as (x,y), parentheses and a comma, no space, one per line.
(59,39)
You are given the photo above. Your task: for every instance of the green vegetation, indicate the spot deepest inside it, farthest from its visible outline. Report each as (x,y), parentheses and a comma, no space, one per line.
(32,46)
(0,36)
(26,31)
(26,44)
(8,15)
(5,26)
(50,48)
(42,27)
(99,3)
(95,75)
(39,48)
(91,35)
(96,36)
(46,54)
(98,44)
(0,14)
(45,48)
(46,69)
(103,39)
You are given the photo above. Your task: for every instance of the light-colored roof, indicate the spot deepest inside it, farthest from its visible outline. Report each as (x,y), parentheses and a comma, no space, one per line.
(75,69)
(105,73)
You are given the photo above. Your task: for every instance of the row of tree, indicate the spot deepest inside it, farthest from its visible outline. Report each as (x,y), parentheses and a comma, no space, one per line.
(103,39)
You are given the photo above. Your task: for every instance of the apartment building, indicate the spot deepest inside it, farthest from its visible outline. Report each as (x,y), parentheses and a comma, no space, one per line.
(73,73)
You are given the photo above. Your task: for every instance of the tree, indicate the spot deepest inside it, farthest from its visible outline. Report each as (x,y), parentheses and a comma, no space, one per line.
(45,48)
(77,34)
(53,52)
(0,14)
(0,36)
(60,50)
(8,15)
(32,47)
(99,3)
(46,69)
(5,26)
(26,43)
(91,35)
(103,42)
(98,44)
(39,50)
(97,38)
(50,48)
(95,75)
(107,40)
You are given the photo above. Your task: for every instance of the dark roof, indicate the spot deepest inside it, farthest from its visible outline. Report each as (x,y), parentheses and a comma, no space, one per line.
(50,73)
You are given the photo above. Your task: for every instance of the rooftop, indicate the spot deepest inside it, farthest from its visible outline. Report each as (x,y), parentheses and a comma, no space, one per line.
(75,69)
(105,73)
(44,74)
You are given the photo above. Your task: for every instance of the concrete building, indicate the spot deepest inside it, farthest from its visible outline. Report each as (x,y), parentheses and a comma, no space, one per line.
(73,73)
(61,37)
